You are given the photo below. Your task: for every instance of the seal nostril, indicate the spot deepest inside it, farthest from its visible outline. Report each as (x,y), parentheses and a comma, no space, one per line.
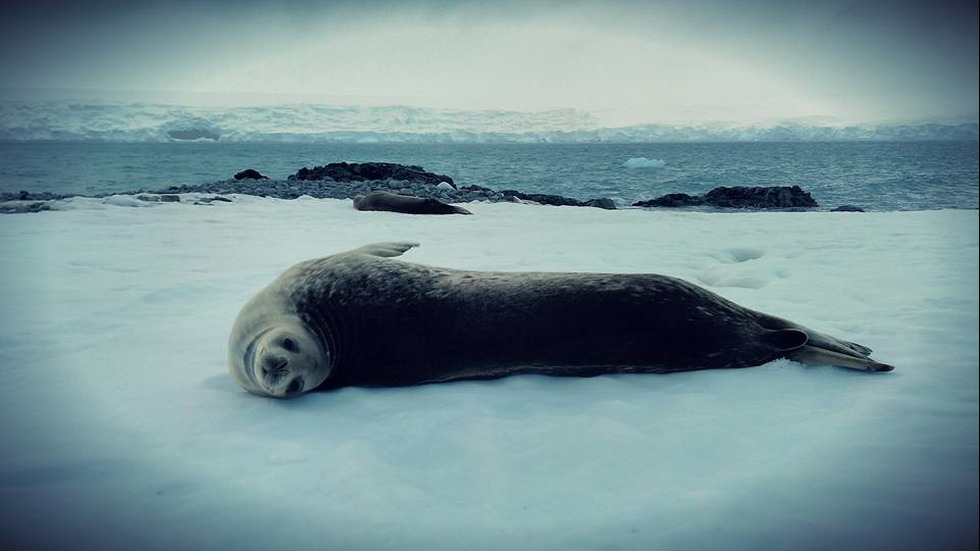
(295,386)
(274,368)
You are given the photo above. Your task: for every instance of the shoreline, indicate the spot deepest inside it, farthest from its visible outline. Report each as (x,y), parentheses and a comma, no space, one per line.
(44,202)
(349,180)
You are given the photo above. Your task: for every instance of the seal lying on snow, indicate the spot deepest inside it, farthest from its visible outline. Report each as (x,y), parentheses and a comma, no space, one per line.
(361,318)
(407,204)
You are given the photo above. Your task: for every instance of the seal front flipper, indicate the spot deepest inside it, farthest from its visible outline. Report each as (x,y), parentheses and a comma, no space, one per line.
(386,250)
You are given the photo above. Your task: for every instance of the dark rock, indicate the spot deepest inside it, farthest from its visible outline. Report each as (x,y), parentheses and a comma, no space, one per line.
(250,174)
(30,196)
(601,203)
(332,188)
(17,208)
(558,200)
(209,200)
(169,198)
(540,198)
(474,187)
(672,200)
(847,208)
(193,134)
(776,197)
(359,172)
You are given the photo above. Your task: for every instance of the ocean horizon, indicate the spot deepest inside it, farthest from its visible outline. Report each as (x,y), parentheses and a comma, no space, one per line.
(875,175)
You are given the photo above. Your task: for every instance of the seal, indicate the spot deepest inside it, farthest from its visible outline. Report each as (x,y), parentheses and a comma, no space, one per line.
(362,318)
(407,204)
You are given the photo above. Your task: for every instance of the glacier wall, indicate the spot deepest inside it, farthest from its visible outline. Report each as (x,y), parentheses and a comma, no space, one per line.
(67,120)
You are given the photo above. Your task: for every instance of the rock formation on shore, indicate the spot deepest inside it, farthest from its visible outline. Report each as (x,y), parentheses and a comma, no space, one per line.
(347,180)
(250,174)
(360,172)
(776,197)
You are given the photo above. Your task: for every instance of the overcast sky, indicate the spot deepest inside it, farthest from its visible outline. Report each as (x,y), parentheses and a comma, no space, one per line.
(629,61)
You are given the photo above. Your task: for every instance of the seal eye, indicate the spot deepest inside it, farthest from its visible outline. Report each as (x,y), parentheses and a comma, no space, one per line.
(290,345)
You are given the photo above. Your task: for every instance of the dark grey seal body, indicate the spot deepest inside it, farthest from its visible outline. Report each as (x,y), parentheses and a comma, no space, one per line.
(407,204)
(361,318)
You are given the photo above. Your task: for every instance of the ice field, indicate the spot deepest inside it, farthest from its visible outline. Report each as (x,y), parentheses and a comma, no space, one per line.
(123,430)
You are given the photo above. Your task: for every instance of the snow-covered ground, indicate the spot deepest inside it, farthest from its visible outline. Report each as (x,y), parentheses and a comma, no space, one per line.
(122,430)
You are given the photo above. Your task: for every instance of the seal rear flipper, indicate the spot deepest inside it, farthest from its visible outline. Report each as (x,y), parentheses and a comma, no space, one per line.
(812,355)
(386,250)
(859,348)
(826,342)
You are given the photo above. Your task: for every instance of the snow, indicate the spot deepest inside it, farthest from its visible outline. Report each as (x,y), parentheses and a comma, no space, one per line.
(643,162)
(123,430)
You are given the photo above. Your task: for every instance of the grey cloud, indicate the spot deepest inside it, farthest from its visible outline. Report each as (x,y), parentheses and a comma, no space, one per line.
(912,55)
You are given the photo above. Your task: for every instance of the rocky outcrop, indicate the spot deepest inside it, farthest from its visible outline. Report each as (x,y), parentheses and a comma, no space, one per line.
(250,174)
(672,200)
(15,207)
(31,196)
(291,189)
(360,172)
(847,208)
(347,180)
(558,200)
(777,197)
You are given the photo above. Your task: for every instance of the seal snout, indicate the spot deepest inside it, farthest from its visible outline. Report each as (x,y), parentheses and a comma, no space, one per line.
(274,368)
(287,362)
(278,377)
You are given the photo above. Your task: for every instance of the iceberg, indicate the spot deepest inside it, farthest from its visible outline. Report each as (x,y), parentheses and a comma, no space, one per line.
(643,162)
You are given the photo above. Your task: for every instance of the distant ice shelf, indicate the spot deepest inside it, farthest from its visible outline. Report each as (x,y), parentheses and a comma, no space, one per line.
(66,120)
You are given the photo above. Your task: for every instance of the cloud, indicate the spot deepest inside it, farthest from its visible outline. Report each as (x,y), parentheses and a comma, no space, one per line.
(643,60)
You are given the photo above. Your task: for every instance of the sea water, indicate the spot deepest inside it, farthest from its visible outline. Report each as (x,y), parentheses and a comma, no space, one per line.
(872,175)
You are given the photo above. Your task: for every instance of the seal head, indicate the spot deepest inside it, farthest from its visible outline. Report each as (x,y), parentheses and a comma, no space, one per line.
(282,360)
